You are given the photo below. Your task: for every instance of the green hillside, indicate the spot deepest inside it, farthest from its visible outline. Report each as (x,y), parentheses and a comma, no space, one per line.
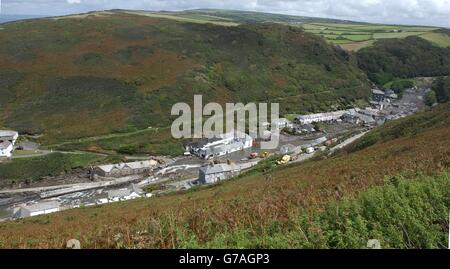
(98,73)
(410,57)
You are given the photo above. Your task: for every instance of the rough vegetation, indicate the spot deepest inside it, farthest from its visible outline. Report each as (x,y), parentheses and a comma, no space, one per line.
(74,77)
(404,213)
(309,204)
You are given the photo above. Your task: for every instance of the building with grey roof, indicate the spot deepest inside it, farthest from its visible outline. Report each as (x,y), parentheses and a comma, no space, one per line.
(213,173)
(124,169)
(315,142)
(40,208)
(361,116)
(131,192)
(9,135)
(304,128)
(378,95)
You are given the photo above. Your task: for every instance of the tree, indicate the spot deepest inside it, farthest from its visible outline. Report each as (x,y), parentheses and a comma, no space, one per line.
(442,88)
(430,98)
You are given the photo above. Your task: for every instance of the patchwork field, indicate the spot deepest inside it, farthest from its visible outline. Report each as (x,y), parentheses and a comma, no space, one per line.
(354,36)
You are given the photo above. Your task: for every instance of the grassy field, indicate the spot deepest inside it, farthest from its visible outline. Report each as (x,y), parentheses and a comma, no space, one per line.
(326,202)
(35,168)
(156,142)
(438,39)
(354,36)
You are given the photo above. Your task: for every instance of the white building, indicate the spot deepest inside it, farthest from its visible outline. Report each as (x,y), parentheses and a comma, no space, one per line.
(320,117)
(281,123)
(7,141)
(224,144)
(36,209)
(6,149)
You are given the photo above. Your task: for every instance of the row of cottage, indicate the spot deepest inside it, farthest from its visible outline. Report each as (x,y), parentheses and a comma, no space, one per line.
(353,115)
(124,169)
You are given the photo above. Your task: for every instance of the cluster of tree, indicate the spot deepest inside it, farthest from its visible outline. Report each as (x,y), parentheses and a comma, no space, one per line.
(403,58)
(400,85)
(440,92)
(441,87)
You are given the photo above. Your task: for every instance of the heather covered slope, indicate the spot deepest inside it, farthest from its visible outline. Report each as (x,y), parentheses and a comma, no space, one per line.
(88,75)
(309,204)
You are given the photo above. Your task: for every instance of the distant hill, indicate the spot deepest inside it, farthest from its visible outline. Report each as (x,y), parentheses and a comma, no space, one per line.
(115,71)
(10,17)
(260,17)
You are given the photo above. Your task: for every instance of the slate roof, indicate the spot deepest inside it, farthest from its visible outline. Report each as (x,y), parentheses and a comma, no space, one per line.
(133,165)
(5,144)
(119,193)
(8,133)
(218,168)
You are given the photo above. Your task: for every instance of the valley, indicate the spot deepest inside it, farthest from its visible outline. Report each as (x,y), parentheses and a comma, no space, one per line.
(364,118)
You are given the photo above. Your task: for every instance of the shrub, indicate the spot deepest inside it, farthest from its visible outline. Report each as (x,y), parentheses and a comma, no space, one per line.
(430,98)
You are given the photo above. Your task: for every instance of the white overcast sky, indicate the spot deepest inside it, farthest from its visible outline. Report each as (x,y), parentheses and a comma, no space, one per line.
(418,12)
